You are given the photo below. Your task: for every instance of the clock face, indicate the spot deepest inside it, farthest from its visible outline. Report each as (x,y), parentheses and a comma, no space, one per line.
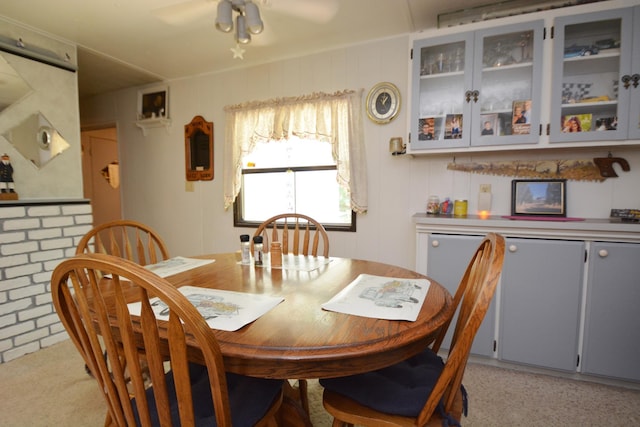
(383,102)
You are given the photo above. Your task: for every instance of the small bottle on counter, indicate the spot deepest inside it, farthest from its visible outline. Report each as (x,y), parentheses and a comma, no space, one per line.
(275,253)
(245,249)
(433,205)
(258,250)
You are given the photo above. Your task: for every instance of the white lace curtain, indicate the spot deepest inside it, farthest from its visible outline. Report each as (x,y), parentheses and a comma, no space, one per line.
(335,118)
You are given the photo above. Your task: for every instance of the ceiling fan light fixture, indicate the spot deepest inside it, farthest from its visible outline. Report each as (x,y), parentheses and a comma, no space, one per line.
(252,18)
(224,20)
(242,36)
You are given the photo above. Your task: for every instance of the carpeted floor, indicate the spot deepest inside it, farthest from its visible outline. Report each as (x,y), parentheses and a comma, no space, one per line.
(50,388)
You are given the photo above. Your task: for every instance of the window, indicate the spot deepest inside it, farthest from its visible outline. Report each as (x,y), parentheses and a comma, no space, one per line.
(293,175)
(303,154)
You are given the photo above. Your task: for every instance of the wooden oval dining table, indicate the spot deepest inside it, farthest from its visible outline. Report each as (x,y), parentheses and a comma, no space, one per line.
(300,339)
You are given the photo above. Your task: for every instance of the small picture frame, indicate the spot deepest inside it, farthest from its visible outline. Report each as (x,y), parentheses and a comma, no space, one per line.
(539,197)
(153,103)
(576,123)
(490,125)
(453,126)
(430,128)
(520,117)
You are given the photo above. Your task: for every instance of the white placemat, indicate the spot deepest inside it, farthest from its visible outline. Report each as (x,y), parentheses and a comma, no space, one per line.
(223,310)
(379,297)
(176,265)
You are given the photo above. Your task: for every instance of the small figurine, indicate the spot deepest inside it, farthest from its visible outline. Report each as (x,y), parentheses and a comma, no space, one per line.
(6,175)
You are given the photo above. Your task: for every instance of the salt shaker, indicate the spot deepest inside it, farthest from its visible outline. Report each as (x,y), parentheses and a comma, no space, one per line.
(276,254)
(245,249)
(258,250)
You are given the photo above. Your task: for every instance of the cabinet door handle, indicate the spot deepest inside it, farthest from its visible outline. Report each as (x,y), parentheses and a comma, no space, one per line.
(435,243)
(513,248)
(635,78)
(603,253)
(626,79)
(471,93)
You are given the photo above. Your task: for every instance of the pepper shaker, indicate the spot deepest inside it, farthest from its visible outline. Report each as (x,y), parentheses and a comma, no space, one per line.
(276,254)
(257,250)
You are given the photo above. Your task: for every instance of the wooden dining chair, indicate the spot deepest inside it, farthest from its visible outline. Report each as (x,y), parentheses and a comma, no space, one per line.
(95,313)
(127,239)
(299,234)
(423,390)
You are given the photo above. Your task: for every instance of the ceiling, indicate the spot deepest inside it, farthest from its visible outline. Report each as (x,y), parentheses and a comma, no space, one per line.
(125,43)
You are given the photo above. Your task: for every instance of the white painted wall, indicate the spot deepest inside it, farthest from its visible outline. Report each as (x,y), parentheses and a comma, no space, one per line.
(153,177)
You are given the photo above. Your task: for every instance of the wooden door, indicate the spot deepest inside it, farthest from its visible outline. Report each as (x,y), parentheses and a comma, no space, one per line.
(100,172)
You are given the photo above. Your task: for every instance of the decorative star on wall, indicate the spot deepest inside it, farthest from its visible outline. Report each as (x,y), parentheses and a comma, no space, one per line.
(238,52)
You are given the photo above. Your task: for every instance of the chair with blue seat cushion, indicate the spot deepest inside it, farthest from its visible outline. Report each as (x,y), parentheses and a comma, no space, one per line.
(127,239)
(90,294)
(423,390)
(298,234)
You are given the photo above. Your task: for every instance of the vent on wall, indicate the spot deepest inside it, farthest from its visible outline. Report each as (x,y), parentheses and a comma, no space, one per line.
(18,47)
(502,9)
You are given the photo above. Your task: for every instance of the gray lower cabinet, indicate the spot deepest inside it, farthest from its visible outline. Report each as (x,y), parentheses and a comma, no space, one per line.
(612,321)
(540,302)
(448,258)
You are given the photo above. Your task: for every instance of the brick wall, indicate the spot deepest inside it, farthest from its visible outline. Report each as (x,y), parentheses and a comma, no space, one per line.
(34,238)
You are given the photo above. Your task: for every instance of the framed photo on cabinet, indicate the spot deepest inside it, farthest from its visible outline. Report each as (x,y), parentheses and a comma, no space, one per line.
(431,128)
(543,197)
(453,126)
(490,125)
(521,121)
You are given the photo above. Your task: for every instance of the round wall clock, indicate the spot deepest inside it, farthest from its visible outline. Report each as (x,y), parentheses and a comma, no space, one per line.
(383,102)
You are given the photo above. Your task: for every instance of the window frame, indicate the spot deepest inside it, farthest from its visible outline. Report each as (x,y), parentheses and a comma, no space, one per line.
(238,221)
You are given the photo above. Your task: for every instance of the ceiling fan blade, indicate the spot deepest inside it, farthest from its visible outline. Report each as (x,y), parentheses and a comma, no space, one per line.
(320,11)
(185,12)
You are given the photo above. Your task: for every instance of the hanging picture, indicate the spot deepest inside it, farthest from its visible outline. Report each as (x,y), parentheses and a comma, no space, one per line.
(153,103)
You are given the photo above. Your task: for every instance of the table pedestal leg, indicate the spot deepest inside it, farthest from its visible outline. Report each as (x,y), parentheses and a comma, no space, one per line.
(292,413)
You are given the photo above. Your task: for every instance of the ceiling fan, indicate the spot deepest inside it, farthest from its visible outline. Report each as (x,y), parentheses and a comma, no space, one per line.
(319,11)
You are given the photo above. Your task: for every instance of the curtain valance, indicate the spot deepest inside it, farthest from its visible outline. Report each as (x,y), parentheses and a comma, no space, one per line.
(335,118)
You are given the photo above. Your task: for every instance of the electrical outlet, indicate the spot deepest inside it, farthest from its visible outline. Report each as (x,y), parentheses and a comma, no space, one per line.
(485,188)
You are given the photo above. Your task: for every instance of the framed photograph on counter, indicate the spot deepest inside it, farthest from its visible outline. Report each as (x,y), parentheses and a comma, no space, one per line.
(545,197)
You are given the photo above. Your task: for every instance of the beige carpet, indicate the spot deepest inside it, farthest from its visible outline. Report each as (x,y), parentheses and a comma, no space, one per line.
(50,388)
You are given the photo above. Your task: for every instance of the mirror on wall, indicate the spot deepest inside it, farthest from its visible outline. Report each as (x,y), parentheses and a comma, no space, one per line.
(36,139)
(198,148)
(12,86)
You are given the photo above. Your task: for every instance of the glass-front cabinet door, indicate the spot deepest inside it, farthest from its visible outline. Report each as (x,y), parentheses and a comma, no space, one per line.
(442,74)
(508,83)
(592,86)
(477,88)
